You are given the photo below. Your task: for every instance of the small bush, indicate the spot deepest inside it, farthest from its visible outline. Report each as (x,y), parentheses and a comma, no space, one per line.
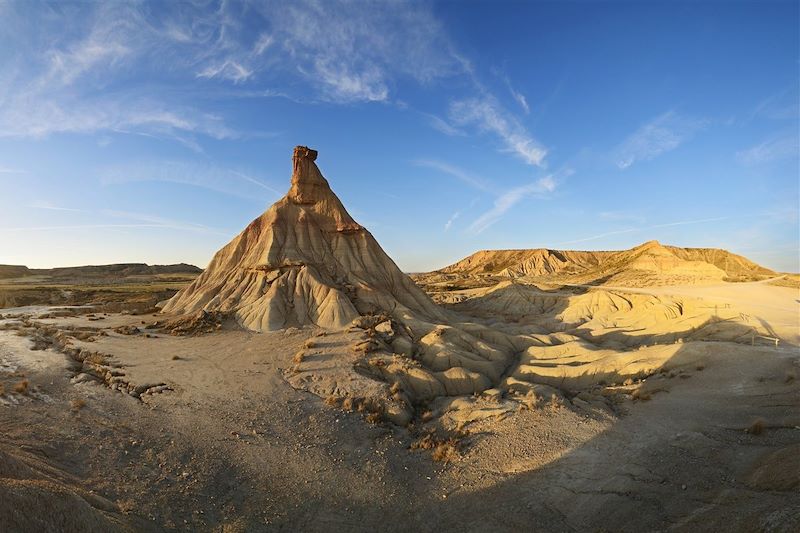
(298,358)
(757,427)
(641,395)
(77,404)
(333,400)
(446,452)
(22,387)
(374,418)
(309,344)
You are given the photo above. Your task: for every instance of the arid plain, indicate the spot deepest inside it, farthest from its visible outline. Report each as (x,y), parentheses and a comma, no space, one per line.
(303,382)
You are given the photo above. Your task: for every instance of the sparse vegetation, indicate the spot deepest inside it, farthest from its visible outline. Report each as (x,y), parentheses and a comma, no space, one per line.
(22,387)
(298,357)
(332,400)
(443,450)
(641,395)
(309,344)
(77,404)
(757,427)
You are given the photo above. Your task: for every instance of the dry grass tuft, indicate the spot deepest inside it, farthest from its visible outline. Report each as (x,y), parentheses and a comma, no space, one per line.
(555,403)
(426,416)
(333,400)
(757,427)
(309,344)
(22,387)
(529,401)
(446,452)
(77,404)
(395,388)
(641,395)
(347,404)
(375,418)
(298,358)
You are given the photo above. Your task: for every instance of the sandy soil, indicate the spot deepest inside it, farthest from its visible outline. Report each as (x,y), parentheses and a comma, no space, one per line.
(709,441)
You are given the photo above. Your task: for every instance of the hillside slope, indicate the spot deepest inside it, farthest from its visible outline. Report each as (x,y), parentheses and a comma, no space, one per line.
(648,264)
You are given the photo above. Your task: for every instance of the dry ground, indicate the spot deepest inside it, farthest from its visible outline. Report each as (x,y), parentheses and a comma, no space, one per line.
(220,438)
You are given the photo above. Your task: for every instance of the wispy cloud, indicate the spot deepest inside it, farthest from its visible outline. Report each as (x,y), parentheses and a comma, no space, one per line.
(509,199)
(50,207)
(206,176)
(450,220)
(647,228)
(229,70)
(662,134)
(157,221)
(487,114)
(779,106)
(7,170)
(469,179)
(438,123)
(780,147)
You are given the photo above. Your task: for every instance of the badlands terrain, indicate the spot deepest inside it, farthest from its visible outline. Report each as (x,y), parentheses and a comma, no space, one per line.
(303,382)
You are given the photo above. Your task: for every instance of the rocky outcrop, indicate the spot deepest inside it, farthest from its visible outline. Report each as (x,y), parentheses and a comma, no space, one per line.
(305,261)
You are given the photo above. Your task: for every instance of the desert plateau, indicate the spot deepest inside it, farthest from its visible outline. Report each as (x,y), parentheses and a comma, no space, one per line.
(369,266)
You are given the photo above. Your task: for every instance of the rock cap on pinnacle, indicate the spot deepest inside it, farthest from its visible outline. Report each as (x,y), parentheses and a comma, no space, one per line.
(308,184)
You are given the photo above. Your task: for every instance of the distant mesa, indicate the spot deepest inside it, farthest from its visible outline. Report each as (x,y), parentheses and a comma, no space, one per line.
(114,270)
(648,264)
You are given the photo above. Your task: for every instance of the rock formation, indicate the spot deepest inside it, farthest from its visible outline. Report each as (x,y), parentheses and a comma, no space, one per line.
(650,263)
(305,261)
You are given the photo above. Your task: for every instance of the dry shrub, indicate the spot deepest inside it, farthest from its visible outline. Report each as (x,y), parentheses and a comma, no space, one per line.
(77,404)
(375,418)
(309,344)
(298,358)
(395,388)
(176,357)
(426,416)
(333,400)
(555,403)
(377,361)
(446,452)
(641,395)
(529,401)
(347,404)
(757,427)
(22,387)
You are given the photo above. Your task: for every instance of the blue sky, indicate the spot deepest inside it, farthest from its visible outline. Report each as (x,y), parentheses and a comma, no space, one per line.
(154,132)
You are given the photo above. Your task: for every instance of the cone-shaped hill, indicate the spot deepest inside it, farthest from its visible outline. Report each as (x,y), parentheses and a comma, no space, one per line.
(305,261)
